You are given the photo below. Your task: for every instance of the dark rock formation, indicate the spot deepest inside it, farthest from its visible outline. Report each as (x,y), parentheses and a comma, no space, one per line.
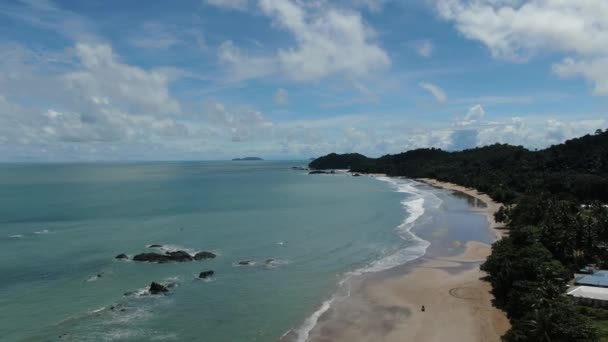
(156,288)
(179,256)
(121,256)
(206,274)
(155,246)
(204,255)
(246,262)
(152,257)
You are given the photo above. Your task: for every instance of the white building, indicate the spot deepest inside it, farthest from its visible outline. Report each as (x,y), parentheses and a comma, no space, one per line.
(590,295)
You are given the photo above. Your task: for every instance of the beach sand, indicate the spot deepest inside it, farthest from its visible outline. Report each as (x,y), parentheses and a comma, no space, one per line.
(457,302)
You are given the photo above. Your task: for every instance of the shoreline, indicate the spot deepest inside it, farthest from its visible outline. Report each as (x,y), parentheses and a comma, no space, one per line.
(457,302)
(492,206)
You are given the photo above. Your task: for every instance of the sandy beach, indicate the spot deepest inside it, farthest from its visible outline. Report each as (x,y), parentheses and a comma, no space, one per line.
(457,302)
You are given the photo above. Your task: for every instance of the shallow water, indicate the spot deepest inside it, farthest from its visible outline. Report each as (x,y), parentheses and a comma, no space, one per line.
(62,225)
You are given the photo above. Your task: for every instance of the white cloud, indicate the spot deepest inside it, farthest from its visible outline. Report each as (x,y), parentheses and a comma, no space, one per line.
(281,96)
(517,30)
(595,70)
(474,116)
(104,79)
(238,124)
(435,90)
(328,41)
(425,48)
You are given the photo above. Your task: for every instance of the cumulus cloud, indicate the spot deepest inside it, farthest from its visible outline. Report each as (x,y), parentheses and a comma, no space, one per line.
(328,41)
(103,79)
(517,30)
(595,70)
(475,114)
(281,96)
(435,90)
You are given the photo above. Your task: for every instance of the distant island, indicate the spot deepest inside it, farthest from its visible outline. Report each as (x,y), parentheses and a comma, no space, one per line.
(247,159)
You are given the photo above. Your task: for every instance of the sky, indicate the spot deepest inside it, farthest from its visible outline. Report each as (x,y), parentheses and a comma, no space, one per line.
(109,80)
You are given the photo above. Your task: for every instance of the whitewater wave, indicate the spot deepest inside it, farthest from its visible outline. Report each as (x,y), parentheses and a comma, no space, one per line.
(415,206)
(173,248)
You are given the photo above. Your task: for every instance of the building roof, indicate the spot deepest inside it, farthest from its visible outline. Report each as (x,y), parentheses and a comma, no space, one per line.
(599,278)
(590,292)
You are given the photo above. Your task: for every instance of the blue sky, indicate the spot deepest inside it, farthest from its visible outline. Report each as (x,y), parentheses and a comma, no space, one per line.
(287,79)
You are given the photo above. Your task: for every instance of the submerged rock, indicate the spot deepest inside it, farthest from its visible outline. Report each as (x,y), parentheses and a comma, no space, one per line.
(121,256)
(246,263)
(206,274)
(156,288)
(204,255)
(155,246)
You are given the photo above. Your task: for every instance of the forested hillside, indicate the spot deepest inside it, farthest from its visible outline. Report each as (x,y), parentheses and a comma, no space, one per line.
(576,169)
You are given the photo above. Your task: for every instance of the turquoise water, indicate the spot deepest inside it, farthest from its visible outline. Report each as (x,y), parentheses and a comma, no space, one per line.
(61,225)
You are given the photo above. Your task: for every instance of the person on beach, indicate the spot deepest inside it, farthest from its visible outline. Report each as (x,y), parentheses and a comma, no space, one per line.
(422,309)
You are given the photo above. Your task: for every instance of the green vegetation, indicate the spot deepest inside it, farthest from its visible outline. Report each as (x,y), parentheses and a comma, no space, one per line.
(340,161)
(600,320)
(556,218)
(577,169)
(548,240)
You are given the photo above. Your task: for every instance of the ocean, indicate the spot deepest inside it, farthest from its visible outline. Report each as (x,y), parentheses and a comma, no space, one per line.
(61,226)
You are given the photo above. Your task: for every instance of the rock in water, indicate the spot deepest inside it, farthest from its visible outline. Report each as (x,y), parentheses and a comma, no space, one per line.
(206,274)
(156,288)
(122,256)
(155,246)
(152,257)
(204,255)
(179,256)
(246,262)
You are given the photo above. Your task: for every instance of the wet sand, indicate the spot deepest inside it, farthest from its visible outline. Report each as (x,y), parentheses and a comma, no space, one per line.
(457,302)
